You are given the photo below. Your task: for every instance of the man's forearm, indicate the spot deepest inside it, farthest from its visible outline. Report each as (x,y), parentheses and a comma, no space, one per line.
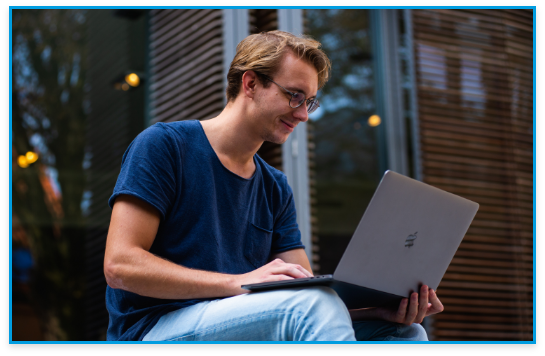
(143,273)
(138,271)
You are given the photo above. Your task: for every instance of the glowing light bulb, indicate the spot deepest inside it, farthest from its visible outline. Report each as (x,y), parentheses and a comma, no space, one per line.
(22,161)
(125,86)
(31,157)
(374,120)
(132,79)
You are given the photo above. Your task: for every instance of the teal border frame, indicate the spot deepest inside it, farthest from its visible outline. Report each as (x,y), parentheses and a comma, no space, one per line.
(271,7)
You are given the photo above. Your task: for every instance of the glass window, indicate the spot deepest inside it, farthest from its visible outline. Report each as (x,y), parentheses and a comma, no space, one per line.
(346,129)
(78,101)
(48,118)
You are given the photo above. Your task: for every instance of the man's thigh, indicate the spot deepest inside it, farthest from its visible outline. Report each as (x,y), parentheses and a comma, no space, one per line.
(282,315)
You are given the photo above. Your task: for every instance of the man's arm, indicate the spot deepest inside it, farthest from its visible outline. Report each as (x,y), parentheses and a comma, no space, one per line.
(129,265)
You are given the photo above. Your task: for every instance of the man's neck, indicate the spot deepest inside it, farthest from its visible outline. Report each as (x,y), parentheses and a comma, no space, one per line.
(233,139)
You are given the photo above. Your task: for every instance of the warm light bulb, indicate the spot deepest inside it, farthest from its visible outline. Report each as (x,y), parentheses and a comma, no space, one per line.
(23,163)
(125,86)
(374,120)
(132,79)
(31,157)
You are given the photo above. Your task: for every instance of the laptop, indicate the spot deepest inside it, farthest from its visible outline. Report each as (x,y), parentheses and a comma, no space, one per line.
(406,238)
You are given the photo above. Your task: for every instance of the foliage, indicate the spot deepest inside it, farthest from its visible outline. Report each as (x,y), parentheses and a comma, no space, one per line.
(49,117)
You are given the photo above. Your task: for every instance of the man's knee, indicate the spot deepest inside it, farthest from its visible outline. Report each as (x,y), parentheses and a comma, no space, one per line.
(322,302)
(415,332)
(321,315)
(319,297)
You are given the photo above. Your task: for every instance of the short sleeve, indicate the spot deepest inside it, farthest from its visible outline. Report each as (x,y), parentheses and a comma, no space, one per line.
(149,170)
(286,234)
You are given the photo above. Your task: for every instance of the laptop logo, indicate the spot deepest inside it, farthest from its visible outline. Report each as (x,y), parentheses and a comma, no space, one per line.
(410,240)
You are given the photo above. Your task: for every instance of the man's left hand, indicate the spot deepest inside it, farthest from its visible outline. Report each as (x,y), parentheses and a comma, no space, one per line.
(414,311)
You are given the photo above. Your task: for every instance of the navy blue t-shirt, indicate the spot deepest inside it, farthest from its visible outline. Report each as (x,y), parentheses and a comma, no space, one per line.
(211,218)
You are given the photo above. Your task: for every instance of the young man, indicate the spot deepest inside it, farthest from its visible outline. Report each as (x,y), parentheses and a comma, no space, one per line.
(196,214)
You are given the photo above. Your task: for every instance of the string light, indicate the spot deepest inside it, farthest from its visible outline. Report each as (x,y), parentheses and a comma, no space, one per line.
(374,120)
(132,79)
(27,159)
(31,157)
(22,161)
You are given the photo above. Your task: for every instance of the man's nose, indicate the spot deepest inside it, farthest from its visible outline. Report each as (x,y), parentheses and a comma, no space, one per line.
(301,113)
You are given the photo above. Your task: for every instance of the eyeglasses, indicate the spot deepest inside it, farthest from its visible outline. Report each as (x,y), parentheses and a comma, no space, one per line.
(297,99)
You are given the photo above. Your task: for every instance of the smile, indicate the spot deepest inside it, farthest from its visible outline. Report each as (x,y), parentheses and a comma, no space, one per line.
(290,127)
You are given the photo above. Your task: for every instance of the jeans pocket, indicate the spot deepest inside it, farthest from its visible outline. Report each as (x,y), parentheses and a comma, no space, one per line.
(257,244)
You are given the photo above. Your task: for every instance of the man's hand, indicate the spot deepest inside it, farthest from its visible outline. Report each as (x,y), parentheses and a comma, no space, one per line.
(408,312)
(276,270)
(419,307)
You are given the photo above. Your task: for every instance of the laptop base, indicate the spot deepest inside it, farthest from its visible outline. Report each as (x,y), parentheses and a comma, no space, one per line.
(353,296)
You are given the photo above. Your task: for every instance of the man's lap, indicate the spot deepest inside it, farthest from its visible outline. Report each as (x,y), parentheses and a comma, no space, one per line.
(283,315)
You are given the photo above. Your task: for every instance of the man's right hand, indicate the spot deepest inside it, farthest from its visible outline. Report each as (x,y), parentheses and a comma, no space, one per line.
(276,270)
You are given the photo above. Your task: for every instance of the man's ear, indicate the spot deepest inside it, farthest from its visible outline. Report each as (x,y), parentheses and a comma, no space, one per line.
(249,83)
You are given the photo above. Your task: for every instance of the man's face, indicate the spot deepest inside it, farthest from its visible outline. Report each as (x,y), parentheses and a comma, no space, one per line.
(276,119)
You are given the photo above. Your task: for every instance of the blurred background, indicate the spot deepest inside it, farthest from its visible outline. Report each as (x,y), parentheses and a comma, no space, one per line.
(443,96)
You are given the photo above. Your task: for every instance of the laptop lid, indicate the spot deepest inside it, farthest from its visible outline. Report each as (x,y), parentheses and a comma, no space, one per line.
(407,236)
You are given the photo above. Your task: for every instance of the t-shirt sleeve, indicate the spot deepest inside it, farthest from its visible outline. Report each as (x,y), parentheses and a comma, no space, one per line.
(286,234)
(148,169)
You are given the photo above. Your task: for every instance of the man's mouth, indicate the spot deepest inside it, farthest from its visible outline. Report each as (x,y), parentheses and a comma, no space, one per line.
(289,126)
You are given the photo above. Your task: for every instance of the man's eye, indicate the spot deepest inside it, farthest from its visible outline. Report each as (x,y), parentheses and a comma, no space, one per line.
(299,97)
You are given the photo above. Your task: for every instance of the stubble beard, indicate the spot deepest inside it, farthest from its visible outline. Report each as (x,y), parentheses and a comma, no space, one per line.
(270,136)
(269,133)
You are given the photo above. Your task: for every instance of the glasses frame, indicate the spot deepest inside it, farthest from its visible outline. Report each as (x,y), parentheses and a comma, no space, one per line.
(312,104)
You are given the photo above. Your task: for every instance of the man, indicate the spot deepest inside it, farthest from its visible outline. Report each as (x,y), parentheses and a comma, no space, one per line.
(196,214)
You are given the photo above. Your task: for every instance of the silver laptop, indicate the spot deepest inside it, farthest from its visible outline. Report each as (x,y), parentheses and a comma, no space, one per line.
(407,237)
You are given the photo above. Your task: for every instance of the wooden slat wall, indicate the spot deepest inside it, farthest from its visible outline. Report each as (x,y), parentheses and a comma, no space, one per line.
(186,54)
(475,95)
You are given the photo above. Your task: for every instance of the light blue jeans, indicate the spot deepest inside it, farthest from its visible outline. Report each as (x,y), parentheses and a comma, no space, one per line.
(309,314)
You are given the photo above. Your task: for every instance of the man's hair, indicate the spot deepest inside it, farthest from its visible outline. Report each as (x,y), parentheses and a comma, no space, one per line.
(263,53)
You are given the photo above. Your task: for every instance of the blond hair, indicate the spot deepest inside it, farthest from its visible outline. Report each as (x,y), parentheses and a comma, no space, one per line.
(263,52)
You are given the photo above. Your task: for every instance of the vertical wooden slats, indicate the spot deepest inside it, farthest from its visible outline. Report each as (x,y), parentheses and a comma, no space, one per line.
(186,67)
(475,94)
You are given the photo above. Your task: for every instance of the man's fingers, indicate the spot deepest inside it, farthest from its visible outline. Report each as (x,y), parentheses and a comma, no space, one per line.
(290,270)
(401,311)
(422,304)
(413,309)
(436,305)
(305,272)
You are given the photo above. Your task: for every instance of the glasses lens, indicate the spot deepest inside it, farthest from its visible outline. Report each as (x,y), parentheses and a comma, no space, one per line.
(312,106)
(296,100)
